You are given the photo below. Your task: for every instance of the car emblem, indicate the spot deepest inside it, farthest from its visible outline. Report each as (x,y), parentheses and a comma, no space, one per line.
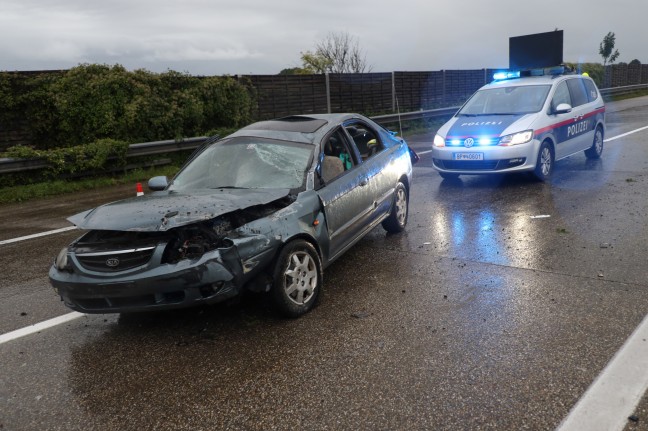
(112,262)
(469,142)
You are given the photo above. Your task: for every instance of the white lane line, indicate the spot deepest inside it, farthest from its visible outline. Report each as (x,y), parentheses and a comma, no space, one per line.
(423,152)
(37,235)
(31,329)
(625,134)
(617,391)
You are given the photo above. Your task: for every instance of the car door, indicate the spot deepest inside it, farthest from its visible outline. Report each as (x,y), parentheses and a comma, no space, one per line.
(581,132)
(344,194)
(375,163)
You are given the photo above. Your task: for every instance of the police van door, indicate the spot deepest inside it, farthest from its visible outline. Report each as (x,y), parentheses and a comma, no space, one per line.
(578,133)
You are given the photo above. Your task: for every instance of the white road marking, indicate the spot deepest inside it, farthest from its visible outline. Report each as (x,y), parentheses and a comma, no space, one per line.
(617,391)
(37,235)
(423,152)
(31,329)
(625,134)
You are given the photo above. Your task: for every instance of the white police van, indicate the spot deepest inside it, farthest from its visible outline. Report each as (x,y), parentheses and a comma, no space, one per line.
(522,121)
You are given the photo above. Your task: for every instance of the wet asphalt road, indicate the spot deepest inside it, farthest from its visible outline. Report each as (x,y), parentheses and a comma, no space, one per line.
(477,317)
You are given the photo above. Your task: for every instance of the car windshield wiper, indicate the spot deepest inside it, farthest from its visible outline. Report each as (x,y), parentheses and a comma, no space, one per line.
(503,113)
(229,187)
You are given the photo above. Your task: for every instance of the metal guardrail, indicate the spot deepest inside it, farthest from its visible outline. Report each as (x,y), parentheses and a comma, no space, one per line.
(170,146)
(618,91)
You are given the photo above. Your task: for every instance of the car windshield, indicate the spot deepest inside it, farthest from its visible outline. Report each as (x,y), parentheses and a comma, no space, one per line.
(246,162)
(511,100)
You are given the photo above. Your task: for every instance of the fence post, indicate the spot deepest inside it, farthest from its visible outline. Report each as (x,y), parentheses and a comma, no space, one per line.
(328,93)
(393,91)
(444,87)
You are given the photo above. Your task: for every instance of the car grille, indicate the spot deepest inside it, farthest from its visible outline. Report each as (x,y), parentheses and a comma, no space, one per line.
(486,165)
(115,261)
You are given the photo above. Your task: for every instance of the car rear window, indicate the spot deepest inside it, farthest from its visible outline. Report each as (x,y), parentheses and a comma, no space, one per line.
(577,91)
(592,93)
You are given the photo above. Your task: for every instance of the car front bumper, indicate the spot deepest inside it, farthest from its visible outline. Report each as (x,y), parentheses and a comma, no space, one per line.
(494,159)
(214,277)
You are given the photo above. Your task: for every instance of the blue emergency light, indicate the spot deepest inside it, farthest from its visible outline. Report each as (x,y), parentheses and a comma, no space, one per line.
(499,76)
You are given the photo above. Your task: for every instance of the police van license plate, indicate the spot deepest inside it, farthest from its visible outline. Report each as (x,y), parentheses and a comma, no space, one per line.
(468,156)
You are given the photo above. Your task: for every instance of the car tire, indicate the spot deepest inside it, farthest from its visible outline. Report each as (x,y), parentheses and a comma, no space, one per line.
(448,176)
(595,151)
(297,279)
(397,218)
(545,163)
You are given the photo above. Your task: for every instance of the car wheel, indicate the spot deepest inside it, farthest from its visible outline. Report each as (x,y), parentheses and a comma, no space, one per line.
(297,278)
(595,151)
(398,217)
(448,176)
(545,163)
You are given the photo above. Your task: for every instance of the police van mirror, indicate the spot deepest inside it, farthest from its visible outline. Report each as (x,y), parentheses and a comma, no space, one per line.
(563,108)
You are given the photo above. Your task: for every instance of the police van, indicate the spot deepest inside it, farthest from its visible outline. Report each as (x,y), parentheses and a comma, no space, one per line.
(522,121)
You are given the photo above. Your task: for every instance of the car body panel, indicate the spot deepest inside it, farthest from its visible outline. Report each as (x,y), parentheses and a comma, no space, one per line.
(179,248)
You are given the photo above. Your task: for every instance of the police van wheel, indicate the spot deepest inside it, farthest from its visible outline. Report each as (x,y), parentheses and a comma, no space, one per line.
(545,164)
(594,152)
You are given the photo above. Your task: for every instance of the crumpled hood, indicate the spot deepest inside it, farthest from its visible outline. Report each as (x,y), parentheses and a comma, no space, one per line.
(165,210)
(491,126)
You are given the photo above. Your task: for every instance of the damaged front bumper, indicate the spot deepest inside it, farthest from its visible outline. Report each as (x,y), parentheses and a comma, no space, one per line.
(215,276)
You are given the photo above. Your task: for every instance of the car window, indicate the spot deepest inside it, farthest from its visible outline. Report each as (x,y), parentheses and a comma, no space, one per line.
(337,156)
(592,93)
(365,139)
(561,95)
(577,91)
(518,99)
(247,162)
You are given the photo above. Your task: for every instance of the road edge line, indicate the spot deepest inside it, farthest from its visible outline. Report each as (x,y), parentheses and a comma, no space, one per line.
(37,235)
(617,391)
(31,329)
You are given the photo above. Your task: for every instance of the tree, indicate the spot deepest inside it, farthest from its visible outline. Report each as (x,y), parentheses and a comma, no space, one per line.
(338,52)
(606,49)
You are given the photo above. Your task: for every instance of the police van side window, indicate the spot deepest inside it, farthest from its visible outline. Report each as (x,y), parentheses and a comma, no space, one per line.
(592,93)
(577,91)
(561,96)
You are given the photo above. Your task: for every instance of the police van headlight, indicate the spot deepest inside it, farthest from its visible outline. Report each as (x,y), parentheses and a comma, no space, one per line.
(516,138)
(439,141)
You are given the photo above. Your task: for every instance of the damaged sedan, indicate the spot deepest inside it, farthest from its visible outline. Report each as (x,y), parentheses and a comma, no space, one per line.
(264,209)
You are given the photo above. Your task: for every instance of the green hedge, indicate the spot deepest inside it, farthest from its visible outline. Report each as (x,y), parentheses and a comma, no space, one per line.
(93,102)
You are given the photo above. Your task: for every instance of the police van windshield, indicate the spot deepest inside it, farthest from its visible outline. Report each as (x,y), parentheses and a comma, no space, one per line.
(512,100)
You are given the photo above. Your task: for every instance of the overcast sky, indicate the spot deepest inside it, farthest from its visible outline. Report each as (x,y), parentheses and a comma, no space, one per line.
(240,37)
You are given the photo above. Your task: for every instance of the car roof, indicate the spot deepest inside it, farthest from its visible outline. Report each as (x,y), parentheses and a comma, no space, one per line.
(529,80)
(299,128)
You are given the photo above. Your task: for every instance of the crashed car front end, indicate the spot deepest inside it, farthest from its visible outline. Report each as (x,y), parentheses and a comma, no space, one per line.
(112,271)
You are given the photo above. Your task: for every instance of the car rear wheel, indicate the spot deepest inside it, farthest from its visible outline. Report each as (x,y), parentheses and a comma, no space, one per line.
(400,208)
(297,279)
(545,164)
(595,151)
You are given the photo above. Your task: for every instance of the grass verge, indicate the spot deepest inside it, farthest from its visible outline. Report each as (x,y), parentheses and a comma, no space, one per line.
(27,192)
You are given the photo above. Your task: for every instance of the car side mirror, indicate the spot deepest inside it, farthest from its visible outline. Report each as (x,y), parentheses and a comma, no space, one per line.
(563,108)
(157,184)
(413,156)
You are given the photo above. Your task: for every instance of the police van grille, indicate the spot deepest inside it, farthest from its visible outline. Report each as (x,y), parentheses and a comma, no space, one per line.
(469,165)
(115,262)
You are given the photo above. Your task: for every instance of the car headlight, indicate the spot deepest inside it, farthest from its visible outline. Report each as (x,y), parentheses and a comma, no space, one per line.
(516,138)
(438,141)
(61,261)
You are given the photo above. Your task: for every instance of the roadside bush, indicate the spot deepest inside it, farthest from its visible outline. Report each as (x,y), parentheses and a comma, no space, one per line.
(95,157)
(92,102)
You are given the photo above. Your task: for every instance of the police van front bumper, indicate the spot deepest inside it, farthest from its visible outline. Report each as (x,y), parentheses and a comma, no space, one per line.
(485,160)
